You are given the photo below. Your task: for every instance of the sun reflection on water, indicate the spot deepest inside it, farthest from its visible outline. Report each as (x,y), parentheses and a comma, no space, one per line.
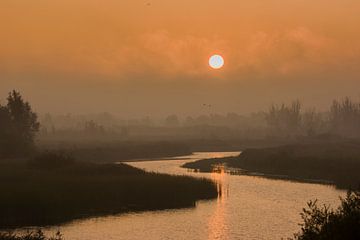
(217,224)
(245,208)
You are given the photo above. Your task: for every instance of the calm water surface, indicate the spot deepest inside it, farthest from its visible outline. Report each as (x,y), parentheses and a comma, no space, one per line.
(249,208)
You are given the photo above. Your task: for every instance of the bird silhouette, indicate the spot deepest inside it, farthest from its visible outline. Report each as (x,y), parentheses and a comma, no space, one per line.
(207,105)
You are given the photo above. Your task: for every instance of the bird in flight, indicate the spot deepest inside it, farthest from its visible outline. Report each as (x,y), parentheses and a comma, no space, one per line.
(206,105)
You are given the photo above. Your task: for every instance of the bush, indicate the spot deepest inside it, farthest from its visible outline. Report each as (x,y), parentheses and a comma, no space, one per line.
(325,224)
(37,235)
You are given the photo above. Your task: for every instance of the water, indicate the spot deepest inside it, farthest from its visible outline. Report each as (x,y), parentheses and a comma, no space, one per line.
(249,208)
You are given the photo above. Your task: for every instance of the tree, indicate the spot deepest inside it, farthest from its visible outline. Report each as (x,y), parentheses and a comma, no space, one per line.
(327,224)
(5,129)
(18,126)
(312,122)
(92,127)
(284,120)
(345,117)
(172,121)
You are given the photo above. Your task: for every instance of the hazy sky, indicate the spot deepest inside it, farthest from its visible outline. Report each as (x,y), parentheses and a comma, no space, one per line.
(150,57)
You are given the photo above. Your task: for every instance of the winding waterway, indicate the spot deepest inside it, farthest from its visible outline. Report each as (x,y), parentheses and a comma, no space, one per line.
(248,208)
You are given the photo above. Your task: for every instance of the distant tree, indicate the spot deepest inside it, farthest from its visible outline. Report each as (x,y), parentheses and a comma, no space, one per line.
(124,132)
(92,127)
(46,124)
(345,117)
(312,122)
(284,120)
(323,223)
(18,126)
(190,121)
(146,121)
(6,128)
(172,121)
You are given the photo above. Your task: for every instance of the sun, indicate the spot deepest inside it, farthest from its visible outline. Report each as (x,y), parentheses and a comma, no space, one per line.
(216,61)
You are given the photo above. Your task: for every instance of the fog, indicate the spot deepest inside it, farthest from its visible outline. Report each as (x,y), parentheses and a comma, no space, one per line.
(108,109)
(134,59)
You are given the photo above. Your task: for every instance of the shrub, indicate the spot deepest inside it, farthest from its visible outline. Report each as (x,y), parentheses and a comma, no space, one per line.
(324,223)
(34,235)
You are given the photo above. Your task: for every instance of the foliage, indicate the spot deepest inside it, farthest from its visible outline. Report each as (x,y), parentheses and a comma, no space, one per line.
(342,119)
(33,235)
(324,223)
(285,119)
(18,125)
(345,117)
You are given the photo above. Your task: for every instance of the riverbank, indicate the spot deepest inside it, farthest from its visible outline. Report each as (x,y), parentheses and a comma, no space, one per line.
(42,194)
(337,163)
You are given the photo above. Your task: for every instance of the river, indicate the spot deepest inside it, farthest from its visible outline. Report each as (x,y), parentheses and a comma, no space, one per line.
(249,208)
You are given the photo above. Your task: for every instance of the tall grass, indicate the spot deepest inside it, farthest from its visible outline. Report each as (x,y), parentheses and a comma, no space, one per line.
(33,195)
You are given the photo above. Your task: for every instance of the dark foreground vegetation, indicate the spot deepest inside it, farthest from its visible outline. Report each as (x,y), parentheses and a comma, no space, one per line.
(337,162)
(324,223)
(32,235)
(319,223)
(54,188)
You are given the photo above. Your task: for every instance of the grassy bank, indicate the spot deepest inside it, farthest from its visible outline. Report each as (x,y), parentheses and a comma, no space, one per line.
(332,162)
(41,194)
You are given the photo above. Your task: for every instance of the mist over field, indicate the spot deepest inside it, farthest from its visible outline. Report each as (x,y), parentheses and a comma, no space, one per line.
(158,119)
(135,59)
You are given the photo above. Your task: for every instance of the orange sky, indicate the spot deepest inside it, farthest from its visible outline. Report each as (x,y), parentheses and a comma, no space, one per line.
(137,50)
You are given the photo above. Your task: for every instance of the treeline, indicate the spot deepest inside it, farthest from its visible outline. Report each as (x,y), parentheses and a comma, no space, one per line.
(19,125)
(342,119)
(108,126)
(110,122)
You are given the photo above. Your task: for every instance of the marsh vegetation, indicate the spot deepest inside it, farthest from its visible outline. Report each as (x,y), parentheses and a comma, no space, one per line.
(30,235)
(51,174)
(337,163)
(47,187)
(321,146)
(54,188)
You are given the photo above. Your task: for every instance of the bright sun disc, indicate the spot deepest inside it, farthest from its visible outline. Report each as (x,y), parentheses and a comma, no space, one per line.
(216,61)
